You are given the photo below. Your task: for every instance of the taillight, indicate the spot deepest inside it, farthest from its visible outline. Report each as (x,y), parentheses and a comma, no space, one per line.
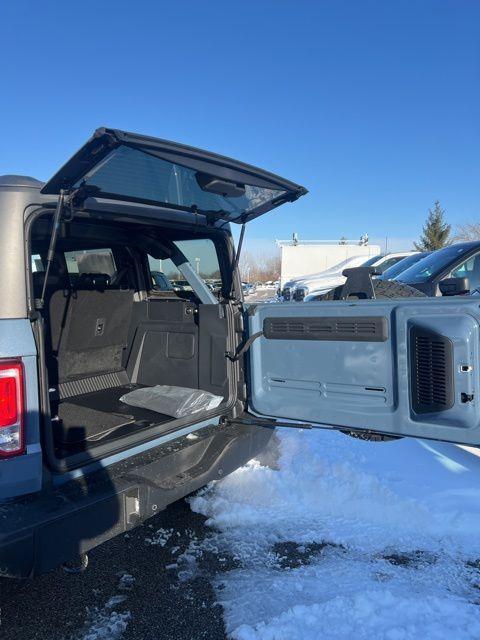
(11,408)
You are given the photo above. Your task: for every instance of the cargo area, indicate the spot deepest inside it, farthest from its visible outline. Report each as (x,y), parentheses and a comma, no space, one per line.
(108,330)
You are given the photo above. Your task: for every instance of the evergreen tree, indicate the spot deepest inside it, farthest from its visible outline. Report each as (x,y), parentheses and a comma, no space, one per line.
(436,232)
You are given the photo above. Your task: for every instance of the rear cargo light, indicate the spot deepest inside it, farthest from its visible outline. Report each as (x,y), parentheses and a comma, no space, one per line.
(11,408)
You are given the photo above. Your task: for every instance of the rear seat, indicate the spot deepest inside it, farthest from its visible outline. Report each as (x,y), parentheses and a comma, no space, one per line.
(88,328)
(54,283)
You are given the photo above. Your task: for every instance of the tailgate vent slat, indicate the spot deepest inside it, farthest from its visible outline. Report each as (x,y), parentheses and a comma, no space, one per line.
(431,370)
(355,329)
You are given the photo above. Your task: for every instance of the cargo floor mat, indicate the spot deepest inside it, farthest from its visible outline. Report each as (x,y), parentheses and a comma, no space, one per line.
(76,423)
(100,415)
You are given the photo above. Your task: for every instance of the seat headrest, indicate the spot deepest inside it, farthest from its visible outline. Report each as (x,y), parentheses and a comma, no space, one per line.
(98,281)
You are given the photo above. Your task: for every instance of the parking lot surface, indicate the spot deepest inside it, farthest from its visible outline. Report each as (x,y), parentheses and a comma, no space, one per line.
(134,587)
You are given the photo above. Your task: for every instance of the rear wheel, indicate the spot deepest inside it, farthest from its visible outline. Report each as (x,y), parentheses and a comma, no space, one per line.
(382,289)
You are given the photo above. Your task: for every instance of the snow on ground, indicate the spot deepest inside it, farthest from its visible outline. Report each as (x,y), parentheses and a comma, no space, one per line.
(349,539)
(107,623)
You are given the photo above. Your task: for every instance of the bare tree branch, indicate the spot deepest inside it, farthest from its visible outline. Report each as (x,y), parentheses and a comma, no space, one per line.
(467,231)
(254,267)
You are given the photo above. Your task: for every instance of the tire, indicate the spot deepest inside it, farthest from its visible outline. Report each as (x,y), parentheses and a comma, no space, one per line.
(383,289)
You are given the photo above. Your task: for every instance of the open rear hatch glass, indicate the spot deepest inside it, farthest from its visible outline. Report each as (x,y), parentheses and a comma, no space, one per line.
(125,166)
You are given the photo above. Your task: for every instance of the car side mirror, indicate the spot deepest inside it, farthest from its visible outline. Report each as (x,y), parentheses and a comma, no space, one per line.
(454,286)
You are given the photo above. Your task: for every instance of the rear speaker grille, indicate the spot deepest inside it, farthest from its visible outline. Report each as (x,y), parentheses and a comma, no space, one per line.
(358,329)
(431,371)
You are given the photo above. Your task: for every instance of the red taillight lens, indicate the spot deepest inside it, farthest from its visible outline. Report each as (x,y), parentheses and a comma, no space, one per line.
(11,408)
(8,401)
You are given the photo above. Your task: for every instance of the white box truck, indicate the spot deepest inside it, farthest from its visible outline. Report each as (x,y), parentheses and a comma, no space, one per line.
(299,258)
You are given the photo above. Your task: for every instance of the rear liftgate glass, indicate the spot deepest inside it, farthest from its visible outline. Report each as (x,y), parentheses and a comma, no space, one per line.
(126,166)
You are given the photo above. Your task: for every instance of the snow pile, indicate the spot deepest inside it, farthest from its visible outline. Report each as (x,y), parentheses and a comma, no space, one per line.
(376,540)
(372,615)
(106,623)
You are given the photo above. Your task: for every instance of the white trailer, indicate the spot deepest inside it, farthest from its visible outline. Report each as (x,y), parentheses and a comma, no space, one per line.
(299,258)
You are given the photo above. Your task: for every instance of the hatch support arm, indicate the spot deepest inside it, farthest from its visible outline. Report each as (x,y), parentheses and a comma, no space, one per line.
(57,218)
(236,259)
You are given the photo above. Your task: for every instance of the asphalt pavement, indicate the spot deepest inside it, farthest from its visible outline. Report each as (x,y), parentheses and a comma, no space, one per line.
(139,585)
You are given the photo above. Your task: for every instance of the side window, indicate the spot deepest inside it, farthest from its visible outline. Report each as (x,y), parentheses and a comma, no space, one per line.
(90,261)
(37,263)
(201,254)
(389,263)
(470,269)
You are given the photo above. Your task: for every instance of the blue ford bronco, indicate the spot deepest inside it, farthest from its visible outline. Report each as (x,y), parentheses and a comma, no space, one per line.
(84,329)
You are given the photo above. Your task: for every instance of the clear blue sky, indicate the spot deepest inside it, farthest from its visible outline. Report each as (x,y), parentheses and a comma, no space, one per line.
(373,106)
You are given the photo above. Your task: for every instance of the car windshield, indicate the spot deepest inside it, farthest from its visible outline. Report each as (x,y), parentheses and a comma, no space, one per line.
(402,265)
(353,261)
(433,264)
(371,260)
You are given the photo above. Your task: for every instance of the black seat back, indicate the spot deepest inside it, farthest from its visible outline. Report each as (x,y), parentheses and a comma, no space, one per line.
(89,330)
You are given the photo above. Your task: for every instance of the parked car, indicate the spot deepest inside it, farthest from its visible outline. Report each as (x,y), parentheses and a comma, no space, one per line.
(161,282)
(402,265)
(289,287)
(320,285)
(181,285)
(80,461)
(455,269)
(248,289)
(215,286)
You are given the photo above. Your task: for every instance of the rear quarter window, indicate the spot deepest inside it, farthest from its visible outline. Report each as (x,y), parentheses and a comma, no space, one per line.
(201,253)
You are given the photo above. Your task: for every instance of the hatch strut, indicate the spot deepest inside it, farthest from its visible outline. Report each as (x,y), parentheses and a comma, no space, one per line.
(237,255)
(57,217)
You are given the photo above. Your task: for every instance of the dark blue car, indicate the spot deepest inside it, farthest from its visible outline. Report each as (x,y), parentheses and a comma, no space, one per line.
(401,266)
(458,261)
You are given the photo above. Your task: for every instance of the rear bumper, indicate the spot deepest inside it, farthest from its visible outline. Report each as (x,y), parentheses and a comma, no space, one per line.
(40,532)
